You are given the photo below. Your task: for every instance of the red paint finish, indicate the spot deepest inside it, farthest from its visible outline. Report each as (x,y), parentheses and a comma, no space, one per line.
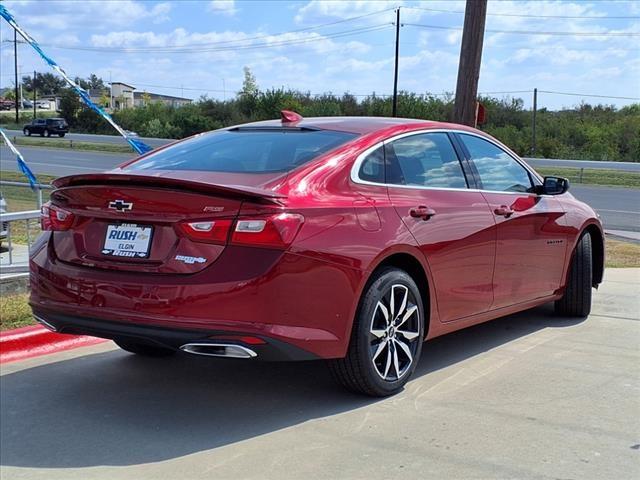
(304,290)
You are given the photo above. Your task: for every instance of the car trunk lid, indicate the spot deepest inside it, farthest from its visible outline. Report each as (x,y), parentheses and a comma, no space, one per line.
(133,222)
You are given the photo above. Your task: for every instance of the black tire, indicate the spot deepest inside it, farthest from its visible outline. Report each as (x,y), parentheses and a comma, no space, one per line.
(47,133)
(576,301)
(61,135)
(26,132)
(144,349)
(42,133)
(359,370)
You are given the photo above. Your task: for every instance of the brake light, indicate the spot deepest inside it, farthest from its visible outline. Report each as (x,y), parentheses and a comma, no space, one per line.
(54,218)
(277,231)
(208,231)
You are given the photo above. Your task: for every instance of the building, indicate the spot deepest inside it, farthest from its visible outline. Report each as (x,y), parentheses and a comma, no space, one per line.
(142,98)
(125,96)
(122,95)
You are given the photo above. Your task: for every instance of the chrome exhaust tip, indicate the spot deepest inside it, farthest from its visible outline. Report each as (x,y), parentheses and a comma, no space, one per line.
(219,350)
(45,324)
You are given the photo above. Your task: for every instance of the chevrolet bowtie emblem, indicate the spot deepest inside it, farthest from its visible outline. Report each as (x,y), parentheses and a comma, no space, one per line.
(120,205)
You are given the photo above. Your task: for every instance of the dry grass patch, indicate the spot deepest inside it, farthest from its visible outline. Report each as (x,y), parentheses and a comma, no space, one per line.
(622,254)
(15,311)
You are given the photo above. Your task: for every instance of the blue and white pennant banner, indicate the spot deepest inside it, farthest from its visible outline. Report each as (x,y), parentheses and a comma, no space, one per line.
(21,163)
(137,145)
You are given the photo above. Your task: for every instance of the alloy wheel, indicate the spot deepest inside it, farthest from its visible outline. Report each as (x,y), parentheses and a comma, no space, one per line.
(394,333)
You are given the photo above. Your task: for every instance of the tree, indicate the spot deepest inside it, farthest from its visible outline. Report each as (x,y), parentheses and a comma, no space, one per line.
(92,82)
(69,105)
(146,98)
(249,84)
(45,83)
(104,99)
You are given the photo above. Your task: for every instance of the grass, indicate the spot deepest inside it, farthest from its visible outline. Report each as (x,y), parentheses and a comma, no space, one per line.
(15,311)
(72,144)
(622,254)
(594,176)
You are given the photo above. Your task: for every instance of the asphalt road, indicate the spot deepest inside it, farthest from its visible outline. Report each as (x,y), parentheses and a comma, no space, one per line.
(62,161)
(527,396)
(88,137)
(619,207)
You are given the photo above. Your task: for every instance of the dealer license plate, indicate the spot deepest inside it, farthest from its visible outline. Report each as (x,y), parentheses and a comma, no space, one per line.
(127,240)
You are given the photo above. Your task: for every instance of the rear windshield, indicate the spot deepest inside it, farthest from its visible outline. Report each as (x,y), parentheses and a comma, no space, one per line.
(245,151)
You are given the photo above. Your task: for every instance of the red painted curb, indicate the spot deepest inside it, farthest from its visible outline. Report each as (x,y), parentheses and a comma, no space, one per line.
(33,341)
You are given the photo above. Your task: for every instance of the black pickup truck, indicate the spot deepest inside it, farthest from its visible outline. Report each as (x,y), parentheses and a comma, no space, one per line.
(46,126)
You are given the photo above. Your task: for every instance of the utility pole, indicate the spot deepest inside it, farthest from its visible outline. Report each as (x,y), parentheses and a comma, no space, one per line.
(394,112)
(34,95)
(15,66)
(469,66)
(533,124)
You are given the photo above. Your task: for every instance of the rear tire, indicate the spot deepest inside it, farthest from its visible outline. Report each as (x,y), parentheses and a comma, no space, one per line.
(576,301)
(26,132)
(386,341)
(47,133)
(61,135)
(144,349)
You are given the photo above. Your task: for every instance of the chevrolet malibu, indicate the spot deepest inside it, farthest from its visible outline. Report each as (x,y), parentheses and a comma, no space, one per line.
(351,240)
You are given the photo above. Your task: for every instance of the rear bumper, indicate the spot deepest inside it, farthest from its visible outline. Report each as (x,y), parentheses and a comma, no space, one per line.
(288,299)
(270,350)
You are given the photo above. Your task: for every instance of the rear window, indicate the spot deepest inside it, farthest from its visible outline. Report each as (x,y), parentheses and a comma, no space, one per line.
(245,151)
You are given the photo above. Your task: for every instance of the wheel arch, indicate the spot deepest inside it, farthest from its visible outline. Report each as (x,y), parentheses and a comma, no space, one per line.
(411,264)
(597,250)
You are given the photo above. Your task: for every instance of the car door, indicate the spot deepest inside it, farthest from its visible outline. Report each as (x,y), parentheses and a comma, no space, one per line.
(37,126)
(451,223)
(530,228)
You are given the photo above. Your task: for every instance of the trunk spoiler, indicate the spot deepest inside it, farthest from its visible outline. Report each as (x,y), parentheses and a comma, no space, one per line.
(234,191)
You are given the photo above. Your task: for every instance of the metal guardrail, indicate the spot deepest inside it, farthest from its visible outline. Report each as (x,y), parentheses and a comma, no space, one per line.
(38,187)
(9,219)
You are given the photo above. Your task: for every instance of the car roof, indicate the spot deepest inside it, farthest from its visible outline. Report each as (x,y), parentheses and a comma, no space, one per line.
(360,125)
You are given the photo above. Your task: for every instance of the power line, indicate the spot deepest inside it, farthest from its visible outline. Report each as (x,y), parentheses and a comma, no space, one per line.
(524,15)
(588,95)
(536,32)
(191,49)
(234,44)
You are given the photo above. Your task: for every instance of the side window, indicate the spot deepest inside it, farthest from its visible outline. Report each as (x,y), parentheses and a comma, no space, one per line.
(425,160)
(372,168)
(497,169)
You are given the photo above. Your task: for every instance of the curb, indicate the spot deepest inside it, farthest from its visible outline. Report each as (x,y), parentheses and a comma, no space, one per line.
(35,340)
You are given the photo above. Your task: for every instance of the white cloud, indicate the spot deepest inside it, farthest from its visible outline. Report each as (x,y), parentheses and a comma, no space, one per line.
(68,14)
(224,7)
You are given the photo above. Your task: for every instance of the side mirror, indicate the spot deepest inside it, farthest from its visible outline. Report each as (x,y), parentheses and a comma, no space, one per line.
(554,186)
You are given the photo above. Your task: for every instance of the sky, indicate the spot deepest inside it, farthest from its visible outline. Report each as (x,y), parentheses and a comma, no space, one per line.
(195,48)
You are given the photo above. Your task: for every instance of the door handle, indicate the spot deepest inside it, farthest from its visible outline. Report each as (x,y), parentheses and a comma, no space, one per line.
(504,211)
(425,213)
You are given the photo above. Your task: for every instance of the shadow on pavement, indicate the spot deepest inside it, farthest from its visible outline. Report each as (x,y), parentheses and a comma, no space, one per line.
(117,409)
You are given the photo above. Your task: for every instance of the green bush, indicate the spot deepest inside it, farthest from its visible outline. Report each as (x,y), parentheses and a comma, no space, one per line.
(595,132)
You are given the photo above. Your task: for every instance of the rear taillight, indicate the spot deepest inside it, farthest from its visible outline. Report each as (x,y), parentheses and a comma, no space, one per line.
(208,231)
(277,231)
(54,218)
(273,231)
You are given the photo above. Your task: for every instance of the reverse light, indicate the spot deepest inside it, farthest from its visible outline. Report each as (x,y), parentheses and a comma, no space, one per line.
(210,231)
(276,231)
(54,218)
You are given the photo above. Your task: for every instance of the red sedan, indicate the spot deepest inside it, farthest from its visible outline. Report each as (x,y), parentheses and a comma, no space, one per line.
(347,239)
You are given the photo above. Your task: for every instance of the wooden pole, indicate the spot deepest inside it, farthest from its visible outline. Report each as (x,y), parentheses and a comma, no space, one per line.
(469,65)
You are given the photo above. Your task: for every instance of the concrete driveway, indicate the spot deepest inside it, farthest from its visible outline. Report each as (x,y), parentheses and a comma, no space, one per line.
(527,396)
